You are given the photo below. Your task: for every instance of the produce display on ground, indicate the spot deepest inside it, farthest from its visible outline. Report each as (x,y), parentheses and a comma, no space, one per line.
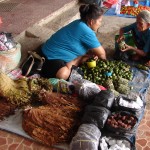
(131,10)
(20,92)
(111,74)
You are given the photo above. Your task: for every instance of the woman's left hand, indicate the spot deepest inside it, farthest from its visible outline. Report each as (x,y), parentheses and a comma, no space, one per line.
(127,48)
(147,64)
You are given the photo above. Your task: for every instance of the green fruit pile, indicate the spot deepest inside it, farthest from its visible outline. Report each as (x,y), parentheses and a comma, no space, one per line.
(98,74)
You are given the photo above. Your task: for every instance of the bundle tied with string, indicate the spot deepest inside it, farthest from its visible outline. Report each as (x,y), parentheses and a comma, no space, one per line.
(85,139)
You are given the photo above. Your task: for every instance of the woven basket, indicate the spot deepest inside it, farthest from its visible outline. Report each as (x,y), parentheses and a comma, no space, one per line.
(10,59)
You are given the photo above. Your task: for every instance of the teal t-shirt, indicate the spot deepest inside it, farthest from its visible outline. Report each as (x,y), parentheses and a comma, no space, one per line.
(71,41)
(142,38)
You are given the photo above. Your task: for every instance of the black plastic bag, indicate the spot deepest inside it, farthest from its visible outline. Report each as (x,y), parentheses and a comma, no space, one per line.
(95,115)
(104,98)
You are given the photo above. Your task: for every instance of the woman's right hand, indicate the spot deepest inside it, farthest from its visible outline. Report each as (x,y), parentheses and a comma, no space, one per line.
(84,58)
(120,38)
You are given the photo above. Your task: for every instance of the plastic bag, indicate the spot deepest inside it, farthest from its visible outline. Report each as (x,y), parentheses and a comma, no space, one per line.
(86,138)
(6,41)
(84,88)
(110,141)
(10,59)
(62,86)
(121,3)
(104,98)
(95,115)
(88,90)
(122,122)
(135,106)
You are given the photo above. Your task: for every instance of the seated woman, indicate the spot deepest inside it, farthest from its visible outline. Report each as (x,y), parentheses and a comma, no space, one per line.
(141,33)
(71,44)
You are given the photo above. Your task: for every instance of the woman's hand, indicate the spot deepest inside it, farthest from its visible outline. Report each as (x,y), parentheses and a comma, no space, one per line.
(127,48)
(120,38)
(84,58)
(147,64)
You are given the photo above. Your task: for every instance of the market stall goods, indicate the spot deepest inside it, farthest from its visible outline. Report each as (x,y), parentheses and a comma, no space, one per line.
(131,10)
(120,71)
(55,122)
(6,109)
(122,122)
(20,92)
(86,138)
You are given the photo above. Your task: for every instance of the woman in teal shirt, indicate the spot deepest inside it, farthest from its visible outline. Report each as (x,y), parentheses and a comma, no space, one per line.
(73,44)
(141,33)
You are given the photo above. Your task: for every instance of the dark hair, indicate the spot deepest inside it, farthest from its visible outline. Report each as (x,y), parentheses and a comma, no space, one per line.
(89,2)
(90,11)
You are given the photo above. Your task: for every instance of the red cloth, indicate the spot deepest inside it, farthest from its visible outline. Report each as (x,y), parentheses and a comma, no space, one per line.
(109,3)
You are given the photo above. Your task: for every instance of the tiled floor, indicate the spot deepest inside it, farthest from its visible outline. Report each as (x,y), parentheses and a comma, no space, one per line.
(10,141)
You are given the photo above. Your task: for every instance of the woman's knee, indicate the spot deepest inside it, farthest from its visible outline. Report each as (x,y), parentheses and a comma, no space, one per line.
(63,73)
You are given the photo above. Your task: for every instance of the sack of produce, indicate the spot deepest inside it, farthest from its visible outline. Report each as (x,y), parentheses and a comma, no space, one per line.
(9,59)
(113,142)
(122,122)
(135,106)
(104,98)
(88,90)
(86,138)
(123,89)
(109,84)
(95,115)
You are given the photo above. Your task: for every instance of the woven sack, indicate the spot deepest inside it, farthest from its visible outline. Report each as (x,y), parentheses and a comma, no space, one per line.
(10,59)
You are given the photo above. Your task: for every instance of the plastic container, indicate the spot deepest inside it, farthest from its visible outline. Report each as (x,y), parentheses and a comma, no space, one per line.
(91,64)
(108,74)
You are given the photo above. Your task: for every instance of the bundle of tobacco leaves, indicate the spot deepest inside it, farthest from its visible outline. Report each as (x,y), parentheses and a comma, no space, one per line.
(6,109)
(55,122)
